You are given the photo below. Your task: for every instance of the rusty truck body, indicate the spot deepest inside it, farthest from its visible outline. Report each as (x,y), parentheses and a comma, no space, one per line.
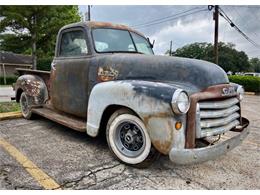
(105,78)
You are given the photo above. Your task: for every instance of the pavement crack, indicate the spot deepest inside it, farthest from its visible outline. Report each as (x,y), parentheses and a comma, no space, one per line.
(92,174)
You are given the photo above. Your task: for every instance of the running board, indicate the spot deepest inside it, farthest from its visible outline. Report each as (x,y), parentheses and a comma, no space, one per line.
(64,119)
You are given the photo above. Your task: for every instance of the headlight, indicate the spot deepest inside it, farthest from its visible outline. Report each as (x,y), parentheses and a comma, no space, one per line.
(240,92)
(180,102)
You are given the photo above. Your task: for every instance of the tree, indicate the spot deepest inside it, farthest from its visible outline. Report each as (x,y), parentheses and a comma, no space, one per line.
(33,29)
(255,64)
(229,58)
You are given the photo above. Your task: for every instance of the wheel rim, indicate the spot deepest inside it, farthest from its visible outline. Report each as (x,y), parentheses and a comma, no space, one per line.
(24,105)
(129,139)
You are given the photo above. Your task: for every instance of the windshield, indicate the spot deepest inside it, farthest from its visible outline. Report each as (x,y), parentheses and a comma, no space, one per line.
(114,40)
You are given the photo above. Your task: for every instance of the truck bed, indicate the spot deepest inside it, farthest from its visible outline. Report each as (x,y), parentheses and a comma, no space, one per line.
(23,71)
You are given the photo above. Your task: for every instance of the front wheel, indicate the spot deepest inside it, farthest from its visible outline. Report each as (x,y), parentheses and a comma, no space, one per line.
(128,139)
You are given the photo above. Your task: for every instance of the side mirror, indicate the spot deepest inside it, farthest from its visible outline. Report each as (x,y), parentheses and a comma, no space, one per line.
(151,44)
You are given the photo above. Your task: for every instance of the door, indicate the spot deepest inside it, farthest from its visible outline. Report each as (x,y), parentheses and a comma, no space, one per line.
(69,74)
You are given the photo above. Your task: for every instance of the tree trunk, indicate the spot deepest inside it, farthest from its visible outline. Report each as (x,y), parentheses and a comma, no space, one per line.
(34,36)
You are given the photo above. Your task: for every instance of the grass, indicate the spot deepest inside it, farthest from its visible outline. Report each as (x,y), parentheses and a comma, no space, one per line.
(9,107)
(5,85)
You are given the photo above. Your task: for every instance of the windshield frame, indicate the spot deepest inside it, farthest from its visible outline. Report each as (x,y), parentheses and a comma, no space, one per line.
(129,32)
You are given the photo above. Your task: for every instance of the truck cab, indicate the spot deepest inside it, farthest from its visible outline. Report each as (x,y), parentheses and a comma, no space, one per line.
(105,79)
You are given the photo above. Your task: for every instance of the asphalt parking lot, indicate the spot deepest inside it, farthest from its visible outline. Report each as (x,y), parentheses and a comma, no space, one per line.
(62,158)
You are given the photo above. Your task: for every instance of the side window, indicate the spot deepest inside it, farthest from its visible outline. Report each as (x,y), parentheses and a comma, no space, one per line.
(73,43)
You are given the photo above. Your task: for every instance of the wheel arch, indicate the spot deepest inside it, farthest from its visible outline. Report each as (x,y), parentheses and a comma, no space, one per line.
(19,92)
(109,110)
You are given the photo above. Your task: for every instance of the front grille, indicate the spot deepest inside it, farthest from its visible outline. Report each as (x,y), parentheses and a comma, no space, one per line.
(214,117)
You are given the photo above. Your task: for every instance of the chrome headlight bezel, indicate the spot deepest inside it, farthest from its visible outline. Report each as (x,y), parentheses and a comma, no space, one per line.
(240,92)
(177,99)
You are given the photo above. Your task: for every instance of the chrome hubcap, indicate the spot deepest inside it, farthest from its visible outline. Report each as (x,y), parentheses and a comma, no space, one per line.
(130,140)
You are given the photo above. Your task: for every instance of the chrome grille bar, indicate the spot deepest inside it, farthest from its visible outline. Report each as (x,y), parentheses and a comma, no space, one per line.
(218,104)
(218,122)
(219,130)
(218,113)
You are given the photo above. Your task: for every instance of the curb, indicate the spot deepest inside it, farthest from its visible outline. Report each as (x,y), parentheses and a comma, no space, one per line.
(10,115)
(249,93)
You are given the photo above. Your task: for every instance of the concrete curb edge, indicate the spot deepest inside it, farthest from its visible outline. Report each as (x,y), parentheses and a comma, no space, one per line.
(10,115)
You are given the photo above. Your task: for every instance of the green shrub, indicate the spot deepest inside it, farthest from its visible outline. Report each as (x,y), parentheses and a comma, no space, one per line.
(250,83)
(9,80)
(44,64)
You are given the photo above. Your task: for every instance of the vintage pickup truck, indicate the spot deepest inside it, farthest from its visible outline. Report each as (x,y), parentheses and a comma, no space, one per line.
(105,79)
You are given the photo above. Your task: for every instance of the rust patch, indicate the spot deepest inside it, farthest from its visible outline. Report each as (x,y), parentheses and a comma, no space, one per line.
(93,24)
(157,115)
(31,87)
(107,74)
(164,146)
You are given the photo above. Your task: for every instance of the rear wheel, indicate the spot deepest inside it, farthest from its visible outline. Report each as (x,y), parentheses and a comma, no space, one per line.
(25,106)
(128,139)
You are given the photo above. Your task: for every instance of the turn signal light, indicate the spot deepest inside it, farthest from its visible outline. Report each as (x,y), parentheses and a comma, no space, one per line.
(178,125)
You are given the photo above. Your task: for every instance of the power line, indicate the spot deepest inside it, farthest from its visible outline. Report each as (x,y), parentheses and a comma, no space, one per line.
(247,6)
(174,18)
(224,15)
(158,19)
(245,21)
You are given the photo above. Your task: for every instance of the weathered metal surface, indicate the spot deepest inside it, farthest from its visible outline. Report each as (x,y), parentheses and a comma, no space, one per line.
(198,155)
(107,74)
(212,92)
(69,85)
(94,24)
(62,118)
(228,103)
(34,87)
(153,109)
(205,132)
(190,74)
(45,75)
(218,113)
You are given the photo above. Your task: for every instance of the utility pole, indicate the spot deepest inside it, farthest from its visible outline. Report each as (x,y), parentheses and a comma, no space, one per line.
(88,12)
(216,17)
(170,49)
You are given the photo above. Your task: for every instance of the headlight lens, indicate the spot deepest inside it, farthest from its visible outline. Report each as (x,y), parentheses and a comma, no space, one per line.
(180,102)
(240,91)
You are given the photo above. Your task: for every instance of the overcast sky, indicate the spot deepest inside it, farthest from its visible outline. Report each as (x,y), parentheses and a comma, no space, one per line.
(198,27)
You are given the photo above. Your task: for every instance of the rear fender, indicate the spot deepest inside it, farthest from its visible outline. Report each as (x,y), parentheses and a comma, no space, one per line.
(34,87)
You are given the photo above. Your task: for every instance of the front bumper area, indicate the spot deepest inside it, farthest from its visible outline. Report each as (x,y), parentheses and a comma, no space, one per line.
(198,155)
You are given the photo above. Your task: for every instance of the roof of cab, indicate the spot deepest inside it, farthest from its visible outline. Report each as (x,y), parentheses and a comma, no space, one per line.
(95,24)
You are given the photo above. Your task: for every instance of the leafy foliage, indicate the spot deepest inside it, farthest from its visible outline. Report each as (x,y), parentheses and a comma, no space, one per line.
(255,64)
(21,26)
(44,64)
(250,83)
(9,80)
(229,58)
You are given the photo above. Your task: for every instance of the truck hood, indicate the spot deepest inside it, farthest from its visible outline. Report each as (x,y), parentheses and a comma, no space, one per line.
(190,74)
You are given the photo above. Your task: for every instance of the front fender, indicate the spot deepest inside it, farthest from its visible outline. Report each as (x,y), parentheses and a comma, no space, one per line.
(150,101)
(34,87)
